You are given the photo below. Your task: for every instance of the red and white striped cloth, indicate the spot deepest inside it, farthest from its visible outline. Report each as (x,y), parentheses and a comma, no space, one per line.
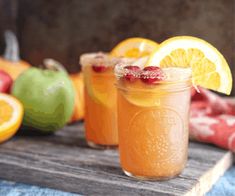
(212,119)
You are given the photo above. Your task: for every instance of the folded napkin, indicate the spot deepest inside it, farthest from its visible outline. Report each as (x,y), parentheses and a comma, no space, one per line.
(212,119)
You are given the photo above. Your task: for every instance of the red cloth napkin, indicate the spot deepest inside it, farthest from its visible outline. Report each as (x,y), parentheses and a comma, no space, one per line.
(212,119)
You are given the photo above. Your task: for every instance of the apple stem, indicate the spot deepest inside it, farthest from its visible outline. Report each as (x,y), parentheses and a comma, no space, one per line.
(52,64)
(12,48)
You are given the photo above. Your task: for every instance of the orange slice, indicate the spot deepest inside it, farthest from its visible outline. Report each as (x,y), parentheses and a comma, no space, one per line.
(100,86)
(209,68)
(11,115)
(135,47)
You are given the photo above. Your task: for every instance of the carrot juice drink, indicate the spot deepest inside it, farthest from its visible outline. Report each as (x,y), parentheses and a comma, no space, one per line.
(153,120)
(100,99)
(153,104)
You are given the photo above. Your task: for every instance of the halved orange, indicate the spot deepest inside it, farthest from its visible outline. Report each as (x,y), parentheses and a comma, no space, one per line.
(135,47)
(209,67)
(11,115)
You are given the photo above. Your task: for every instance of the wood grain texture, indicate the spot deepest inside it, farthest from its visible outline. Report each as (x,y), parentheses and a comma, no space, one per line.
(64,161)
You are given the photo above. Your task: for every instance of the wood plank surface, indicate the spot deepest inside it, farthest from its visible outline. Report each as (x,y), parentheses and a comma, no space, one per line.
(63,161)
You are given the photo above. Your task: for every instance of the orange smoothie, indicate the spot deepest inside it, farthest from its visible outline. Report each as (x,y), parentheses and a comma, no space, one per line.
(153,121)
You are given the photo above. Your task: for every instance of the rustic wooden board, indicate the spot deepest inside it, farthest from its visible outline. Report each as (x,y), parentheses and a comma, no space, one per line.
(64,161)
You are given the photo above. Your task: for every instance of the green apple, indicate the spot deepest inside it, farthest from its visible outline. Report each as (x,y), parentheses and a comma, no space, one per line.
(47,96)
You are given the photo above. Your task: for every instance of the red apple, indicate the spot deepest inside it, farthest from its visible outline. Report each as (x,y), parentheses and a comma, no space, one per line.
(5,82)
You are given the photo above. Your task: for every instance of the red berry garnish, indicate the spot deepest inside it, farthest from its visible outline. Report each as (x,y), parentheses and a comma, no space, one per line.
(152,74)
(132,73)
(99,68)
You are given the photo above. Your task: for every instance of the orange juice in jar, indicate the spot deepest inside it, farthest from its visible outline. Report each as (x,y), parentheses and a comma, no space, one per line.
(153,120)
(100,99)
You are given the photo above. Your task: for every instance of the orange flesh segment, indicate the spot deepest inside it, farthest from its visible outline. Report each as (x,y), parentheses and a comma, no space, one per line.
(199,63)
(5,112)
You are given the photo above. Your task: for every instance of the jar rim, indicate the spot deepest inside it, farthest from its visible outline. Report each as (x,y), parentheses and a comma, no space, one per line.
(170,75)
(161,87)
(102,58)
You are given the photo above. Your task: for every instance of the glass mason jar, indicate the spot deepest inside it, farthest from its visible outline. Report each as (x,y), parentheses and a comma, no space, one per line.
(153,123)
(100,100)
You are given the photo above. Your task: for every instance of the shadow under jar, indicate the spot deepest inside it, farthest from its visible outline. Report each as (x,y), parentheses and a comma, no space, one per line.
(153,123)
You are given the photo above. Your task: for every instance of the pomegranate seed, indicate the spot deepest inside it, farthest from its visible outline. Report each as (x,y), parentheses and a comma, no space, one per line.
(152,74)
(133,72)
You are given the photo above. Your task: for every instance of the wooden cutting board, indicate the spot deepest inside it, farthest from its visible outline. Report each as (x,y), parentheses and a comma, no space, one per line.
(64,161)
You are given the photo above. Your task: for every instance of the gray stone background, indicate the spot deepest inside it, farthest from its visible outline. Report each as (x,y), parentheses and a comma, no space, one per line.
(63,29)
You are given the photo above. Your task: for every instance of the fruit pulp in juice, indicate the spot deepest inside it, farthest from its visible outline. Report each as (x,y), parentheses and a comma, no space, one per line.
(153,128)
(100,105)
